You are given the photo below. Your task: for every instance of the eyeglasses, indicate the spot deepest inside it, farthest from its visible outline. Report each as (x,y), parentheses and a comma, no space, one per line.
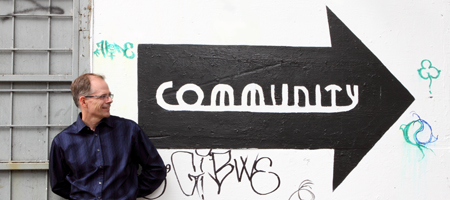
(102,97)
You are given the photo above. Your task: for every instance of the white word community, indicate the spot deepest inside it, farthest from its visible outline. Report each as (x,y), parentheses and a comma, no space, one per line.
(253,89)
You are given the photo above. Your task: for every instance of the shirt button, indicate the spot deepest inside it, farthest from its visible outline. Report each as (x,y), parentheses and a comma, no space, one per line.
(99,197)
(98,149)
(100,166)
(96,135)
(99,183)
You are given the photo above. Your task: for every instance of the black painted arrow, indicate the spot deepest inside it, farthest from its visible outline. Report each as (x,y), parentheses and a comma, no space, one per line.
(382,98)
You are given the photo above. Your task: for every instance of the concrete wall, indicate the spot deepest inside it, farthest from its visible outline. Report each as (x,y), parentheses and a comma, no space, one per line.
(393,143)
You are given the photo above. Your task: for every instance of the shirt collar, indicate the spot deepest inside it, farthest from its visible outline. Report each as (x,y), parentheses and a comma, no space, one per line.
(80,125)
(108,121)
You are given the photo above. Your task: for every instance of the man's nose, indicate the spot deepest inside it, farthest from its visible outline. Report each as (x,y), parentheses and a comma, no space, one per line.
(109,99)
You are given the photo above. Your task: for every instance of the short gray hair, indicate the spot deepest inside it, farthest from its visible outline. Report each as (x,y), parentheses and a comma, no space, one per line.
(81,86)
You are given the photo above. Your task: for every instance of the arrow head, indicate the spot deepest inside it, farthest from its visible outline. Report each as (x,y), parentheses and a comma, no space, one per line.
(385,99)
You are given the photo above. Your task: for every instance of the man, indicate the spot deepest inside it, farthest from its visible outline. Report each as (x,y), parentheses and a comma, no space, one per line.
(98,156)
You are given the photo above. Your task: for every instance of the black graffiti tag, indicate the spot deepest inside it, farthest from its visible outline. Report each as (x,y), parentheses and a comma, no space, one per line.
(222,168)
(255,172)
(191,176)
(185,171)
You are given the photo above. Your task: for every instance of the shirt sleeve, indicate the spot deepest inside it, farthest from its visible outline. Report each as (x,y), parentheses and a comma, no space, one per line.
(153,169)
(58,171)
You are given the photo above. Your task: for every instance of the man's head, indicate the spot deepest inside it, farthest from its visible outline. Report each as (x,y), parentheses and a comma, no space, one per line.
(91,94)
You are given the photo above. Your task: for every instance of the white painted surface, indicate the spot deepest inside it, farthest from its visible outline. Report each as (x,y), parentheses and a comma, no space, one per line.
(400,33)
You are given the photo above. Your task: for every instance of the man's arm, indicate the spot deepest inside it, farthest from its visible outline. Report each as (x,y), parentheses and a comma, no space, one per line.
(153,168)
(58,171)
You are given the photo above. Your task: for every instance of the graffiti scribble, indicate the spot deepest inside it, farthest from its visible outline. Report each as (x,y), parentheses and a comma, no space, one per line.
(428,71)
(304,190)
(51,10)
(109,50)
(191,170)
(413,129)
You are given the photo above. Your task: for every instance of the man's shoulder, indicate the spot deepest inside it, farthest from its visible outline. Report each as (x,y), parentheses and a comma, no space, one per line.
(70,130)
(120,121)
(115,118)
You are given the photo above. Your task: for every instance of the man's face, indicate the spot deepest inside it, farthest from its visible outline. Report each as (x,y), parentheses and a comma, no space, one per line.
(97,107)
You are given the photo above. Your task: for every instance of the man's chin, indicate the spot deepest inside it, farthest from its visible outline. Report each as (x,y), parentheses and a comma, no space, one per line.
(106,114)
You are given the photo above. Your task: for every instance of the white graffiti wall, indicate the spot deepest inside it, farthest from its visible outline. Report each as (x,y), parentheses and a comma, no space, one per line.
(410,159)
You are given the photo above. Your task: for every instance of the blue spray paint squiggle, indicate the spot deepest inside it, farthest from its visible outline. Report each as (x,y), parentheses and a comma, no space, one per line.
(407,128)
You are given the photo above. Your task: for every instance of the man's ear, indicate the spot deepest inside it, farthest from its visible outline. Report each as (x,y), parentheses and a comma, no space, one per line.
(82,101)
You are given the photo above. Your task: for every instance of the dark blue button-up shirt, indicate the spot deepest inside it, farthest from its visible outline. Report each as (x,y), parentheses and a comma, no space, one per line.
(103,164)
